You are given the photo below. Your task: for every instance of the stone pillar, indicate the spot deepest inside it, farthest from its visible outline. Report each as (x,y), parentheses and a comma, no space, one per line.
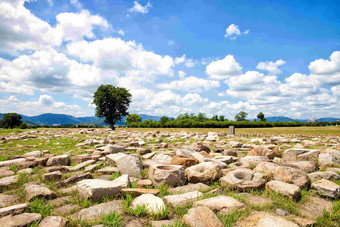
(231,130)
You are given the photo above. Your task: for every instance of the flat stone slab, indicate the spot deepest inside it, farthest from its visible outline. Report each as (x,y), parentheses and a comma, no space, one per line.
(15,209)
(255,200)
(7,181)
(201,217)
(327,175)
(327,188)
(189,188)
(6,200)
(220,202)
(139,191)
(314,207)
(61,160)
(182,199)
(67,209)
(108,170)
(153,203)
(38,190)
(11,162)
(263,219)
(53,221)
(290,190)
(100,209)
(82,165)
(19,220)
(97,188)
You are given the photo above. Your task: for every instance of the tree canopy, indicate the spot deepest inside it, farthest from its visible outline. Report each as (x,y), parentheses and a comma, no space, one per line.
(261,117)
(11,120)
(133,118)
(241,116)
(112,103)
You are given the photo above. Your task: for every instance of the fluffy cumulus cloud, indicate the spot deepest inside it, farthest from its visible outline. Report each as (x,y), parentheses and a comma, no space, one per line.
(138,8)
(233,32)
(223,69)
(191,83)
(270,66)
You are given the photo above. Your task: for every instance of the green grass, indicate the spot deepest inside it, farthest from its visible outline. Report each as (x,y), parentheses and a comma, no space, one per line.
(330,218)
(115,175)
(139,211)
(163,190)
(41,206)
(233,216)
(111,220)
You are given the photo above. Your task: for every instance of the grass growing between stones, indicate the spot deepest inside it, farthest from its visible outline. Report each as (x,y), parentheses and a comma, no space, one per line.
(330,218)
(41,206)
(112,220)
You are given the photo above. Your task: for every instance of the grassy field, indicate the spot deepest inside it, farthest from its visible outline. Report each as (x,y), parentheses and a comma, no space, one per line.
(309,131)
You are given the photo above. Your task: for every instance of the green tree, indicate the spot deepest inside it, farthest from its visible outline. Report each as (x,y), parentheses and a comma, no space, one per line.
(201,117)
(164,120)
(11,120)
(241,116)
(112,103)
(261,117)
(214,118)
(221,118)
(133,118)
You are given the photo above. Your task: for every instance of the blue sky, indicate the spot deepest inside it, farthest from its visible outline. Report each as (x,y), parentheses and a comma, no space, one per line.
(217,57)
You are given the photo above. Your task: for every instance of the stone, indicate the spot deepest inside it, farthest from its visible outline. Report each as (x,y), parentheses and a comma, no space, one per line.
(26,171)
(6,200)
(112,158)
(130,164)
(139,191)
(162,158)
(153,203)
(15,209)
(36,154)
(74,179)
(53,221)
(4,172)
(61,160)
(167,174)
(66,209)
(292,175)
(52,176)
(60,201)
(144,183)
(243,179)
(240,164)
(255,200)
(201,147)
(235,144)
(20,220)
(290,190)
(266,168)
(184,160)
(108,170)
(182,199)
(329,158)
(68,190)
(134,223)
(13,161)
(7,181)
(269,151)
(264,219)
(315,207)
(112,149)
(327,175)
(203,172)
(188,188)
(201,217)
(162,223)
(255,160)
(201,156)
(312,155)
(97,188)
(38,190)
(225,159)
(82,165)
(80,158)
(231,131)
(57,168)
(143,151)
(304,222)
(327,188)
(306,166)
(220,202)
(98,210)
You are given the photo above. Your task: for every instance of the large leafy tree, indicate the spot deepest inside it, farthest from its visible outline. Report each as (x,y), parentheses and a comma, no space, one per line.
(133,118)
(241,116)
(112,103)
(261,117)
(11,120)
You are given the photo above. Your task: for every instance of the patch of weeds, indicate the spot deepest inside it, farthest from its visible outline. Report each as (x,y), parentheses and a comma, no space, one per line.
(76,222)
(127,202)
(161,214)
(78,200)
(177,223)
(112,220)
(33,224)
(134,185)
(22,179)
(330,218)
(13,168)
(115,175)
(41,206)
(145,173)
(233,216)
(139,211)
(279,201)
(3,157)
(163,190)
(182,210)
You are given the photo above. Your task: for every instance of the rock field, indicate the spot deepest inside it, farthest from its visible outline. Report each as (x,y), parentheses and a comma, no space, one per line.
(100,177)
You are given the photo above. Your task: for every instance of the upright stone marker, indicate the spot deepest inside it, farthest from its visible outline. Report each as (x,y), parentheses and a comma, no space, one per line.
(231,130)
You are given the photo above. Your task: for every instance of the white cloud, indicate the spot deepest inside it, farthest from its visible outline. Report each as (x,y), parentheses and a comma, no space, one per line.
(233,31)
(76,4)
(336,90)
(321,66)
(171,42)
(270,66)
(138,8)
(300,84)
(223,69)
(121,32)
(50,2)
(181,74)
(46,100)
(191,83)
(188,62)
(75,26)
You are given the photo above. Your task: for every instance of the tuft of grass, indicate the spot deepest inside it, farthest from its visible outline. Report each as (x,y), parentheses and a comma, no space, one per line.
(13,168)
(127,202)
(182,210)
(78,222)
(139,211)
(115,175)
(22,179)
(145,173)
(330,218)
(177,223)
(112,220)
(160,215)
(41,206)
(163,190)
(77,199)
(233,216)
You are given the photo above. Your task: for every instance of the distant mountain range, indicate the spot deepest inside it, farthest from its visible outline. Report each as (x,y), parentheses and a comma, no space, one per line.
(63,119)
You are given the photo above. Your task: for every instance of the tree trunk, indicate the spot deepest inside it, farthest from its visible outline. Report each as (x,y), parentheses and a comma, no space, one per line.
(113,126)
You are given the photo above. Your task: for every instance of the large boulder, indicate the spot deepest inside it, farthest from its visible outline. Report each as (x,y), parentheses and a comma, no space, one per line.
(329,158)
(243,179)
(266,168)
(270,151)
(204,172)
(112,149)
(61,160)
(167,174)
(153,203)
(292,175)
(131,165)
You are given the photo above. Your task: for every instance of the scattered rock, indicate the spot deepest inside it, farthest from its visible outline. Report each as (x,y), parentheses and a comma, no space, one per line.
(20,220)
(327,188)
(98,210)
(61,160)
(153,203)
(243,179)
(203,172)
(290,190)
(220,202)
(38,190)
(167,174)
(130,164)
(182,199)
(201,217)
(53,221)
